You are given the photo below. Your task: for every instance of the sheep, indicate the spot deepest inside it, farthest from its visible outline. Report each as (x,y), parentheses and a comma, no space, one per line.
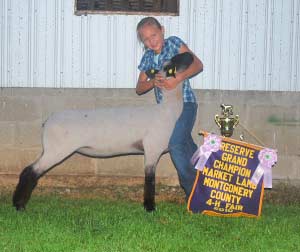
(109,132)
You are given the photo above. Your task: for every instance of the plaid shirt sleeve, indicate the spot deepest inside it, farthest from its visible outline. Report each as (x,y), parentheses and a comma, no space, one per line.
(145,63)
(175,43)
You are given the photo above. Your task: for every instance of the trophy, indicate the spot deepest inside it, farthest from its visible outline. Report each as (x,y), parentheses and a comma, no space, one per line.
(227,122)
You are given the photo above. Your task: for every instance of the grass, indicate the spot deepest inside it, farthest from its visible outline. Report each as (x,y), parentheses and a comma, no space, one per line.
(59,223)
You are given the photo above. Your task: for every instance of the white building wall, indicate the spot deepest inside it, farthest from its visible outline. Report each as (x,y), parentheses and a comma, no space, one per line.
(244,44)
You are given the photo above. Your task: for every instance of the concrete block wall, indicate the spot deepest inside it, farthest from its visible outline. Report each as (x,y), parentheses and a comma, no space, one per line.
(271,119)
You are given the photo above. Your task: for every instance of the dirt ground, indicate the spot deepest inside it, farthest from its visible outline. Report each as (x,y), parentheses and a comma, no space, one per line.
(129,188)
(114,188)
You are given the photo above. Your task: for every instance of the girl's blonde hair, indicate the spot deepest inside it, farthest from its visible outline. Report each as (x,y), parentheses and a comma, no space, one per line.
(147,21)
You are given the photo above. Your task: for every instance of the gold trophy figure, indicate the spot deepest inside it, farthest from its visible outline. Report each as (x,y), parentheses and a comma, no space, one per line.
(227,122)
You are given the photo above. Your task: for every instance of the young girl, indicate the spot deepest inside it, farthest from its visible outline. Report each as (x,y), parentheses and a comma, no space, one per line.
(159,50)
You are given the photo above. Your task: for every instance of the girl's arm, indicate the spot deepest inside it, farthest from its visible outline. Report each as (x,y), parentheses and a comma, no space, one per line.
(195,68)
(143,85)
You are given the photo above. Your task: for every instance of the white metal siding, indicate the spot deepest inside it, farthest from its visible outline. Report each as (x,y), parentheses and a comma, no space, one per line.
(244,44)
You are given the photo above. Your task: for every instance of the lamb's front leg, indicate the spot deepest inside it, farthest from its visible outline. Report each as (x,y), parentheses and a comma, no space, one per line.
(152,155)
(149,188)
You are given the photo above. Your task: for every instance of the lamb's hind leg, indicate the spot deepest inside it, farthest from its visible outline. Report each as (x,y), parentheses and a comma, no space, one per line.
(27,182)
(30,175)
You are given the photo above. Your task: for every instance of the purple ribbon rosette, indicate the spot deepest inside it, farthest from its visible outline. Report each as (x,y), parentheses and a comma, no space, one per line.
(212,143)
(267,158)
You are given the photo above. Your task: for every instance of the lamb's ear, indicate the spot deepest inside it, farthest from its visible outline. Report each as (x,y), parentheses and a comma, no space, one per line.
(151,73)
(170,70)
(182,61)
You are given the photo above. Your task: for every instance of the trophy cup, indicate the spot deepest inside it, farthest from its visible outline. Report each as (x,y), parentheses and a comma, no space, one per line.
(227,122)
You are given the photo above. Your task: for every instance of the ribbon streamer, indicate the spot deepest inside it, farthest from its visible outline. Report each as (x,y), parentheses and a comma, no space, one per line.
(259,172)
(212,143)
(267,158)
(202,159)
(262,171)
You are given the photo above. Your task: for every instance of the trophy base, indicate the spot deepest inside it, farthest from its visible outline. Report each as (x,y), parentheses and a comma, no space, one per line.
(226,133)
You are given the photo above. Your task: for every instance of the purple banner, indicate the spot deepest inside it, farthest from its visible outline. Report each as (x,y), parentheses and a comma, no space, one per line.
(223,186)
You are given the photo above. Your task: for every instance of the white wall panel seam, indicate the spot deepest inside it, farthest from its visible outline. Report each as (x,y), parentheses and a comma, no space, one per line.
(9,38)
(214,56)
(295,85)
(297,79)
(2,43)
(271,47)
(36,43)
(239,84)
(192,33)
(61,52)
(136,55)
(115,63)
(293,40)
(219,60)
(266,43)
(245,75)
(82,40)
(30,27)
(203,38)
(281,49)
(88,52)
(55,44)
(46,44)
(108,52)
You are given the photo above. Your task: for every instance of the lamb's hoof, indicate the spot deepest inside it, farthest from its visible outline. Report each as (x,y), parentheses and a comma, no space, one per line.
(18,202)
(19,207)
(149,207)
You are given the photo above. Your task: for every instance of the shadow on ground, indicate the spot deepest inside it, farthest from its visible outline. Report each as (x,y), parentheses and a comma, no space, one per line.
(283,193)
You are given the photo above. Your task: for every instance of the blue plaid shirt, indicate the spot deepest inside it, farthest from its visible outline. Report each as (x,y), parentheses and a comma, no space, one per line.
(170,49)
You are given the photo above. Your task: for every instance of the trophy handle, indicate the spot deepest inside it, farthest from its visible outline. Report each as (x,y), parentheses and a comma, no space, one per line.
(217,120)
(236,121)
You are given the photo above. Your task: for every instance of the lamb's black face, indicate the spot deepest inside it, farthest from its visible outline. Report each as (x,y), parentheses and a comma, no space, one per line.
(178,63)
(182,61)
(151,73)
(170,70)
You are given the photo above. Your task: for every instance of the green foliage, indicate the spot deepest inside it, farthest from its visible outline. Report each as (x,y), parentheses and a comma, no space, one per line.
(53,223)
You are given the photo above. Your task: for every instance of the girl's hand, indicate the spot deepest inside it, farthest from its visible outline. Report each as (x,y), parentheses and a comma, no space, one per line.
(169,83)
(157,81)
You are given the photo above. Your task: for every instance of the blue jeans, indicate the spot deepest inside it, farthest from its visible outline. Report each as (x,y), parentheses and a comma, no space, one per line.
(182,146)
